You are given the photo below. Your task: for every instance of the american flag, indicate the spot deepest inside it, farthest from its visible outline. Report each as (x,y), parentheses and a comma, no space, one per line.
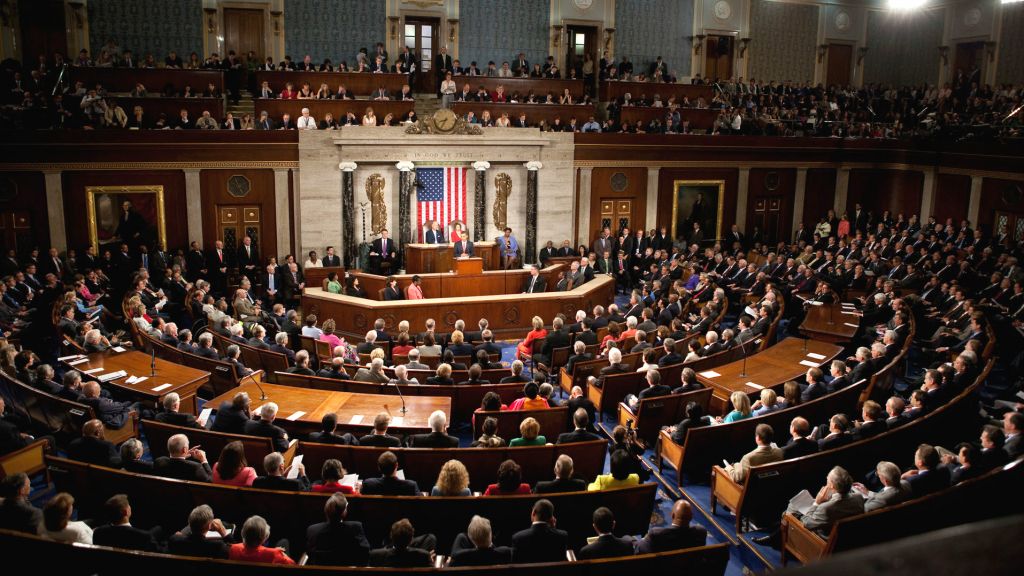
(442,196)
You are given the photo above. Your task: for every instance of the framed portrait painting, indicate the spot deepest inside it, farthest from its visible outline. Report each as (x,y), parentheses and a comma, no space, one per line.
(697,202)
(130,214)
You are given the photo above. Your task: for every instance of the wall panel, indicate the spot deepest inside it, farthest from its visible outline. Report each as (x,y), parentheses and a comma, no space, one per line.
(499,30)
(999,195)
(601,186)
(952,197)
(893,190)
(760,187)
(334,29)
(820,195)
(783,40)
(646,29)
(902,47)
(30,198)
(214,187)
(665,191)
(147,26)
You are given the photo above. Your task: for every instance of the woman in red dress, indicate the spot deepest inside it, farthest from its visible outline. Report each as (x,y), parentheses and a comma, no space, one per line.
(525,348)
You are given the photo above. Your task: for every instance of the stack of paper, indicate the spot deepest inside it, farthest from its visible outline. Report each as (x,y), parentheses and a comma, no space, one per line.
(293,471)
(710,374)
(161,387)
(111,376)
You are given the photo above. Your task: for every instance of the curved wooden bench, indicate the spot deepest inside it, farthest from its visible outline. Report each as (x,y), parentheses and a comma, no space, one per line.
(553,421)
(653,413)
(255,447)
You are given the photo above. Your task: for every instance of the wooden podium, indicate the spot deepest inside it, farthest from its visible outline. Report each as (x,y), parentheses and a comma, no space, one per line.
(468,266)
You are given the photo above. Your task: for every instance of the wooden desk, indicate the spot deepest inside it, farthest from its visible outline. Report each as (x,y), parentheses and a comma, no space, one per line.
(613,90)
(700,118)
(509,313)
(316,276)
(453,285)
(540,86)
(469,266)
(769,369)
(171,107)
(316,403)
(816,323)
(534,112)
(430,258)
(154,79)
(183,380)
(338,108)
(360,84)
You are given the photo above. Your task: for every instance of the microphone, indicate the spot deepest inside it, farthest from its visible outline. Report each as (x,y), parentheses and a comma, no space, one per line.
(743,349)
(263,394)
(152,361)
(401,397)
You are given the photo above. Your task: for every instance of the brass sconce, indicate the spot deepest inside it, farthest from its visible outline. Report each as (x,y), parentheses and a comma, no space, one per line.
(394,26)
(861,52)
(744,43)
(211,20)
(944,54)
(453,26)
(990,49)
(556,38)
(275,16)
(609,33)
(698,42)
(822,50)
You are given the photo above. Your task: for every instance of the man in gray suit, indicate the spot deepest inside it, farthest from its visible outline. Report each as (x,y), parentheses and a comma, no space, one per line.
(835,500)
(892,491)
(414,361)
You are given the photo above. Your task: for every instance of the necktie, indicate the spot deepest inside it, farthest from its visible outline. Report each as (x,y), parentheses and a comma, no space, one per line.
(270,281)
(532,283)
(145,261)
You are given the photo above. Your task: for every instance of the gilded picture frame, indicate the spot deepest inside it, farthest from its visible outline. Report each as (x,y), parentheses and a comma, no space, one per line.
(104,207)
(684,196)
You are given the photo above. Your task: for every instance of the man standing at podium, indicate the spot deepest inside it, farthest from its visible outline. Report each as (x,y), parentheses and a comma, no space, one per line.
(509,249)
(383,250)
(434,235)
(464,247)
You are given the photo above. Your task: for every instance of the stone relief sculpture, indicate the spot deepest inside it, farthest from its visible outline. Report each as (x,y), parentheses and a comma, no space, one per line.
(378,209)
(502,190)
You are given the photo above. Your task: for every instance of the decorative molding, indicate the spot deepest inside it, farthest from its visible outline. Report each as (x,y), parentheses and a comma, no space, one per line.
(502,190)
(347,166)
(213,165)
(533,165)
(481,165)
(405,166)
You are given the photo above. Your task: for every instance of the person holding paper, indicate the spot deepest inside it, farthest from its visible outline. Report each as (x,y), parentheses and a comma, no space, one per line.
(265,427)
(764,453)
(389,483)
(334,478)
(292,478)
(834,501)
(182,462)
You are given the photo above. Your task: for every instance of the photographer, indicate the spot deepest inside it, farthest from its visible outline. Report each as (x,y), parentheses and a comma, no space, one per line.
(625,439)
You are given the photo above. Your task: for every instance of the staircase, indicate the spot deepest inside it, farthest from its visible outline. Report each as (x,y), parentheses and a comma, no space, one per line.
(245,106)
(426,104)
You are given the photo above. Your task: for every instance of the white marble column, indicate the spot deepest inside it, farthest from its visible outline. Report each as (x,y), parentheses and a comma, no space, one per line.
(55,209)
(842,188)
(194,206)
(799,197)
(974,204)
(284,214)
(928,194)
(741,199)
(652,198)
(583,207)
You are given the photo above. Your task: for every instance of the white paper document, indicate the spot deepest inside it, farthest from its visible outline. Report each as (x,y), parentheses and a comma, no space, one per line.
(349,480)
(398,421)
(809,363)
(851,325)
(117,349)
(710,374)
(755,386)
(204,416)
(802,502)
(296,415)
(77,362)
(161,387)
(815,356)
(356,419)
(72,357)
(293,472)
(92,371)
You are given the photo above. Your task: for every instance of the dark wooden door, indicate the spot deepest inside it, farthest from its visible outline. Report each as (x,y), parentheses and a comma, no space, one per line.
(718,57)
(838,71)
(243,31)
(422,37)
(16,231)
(768,218)
(1010,222)
(43,32)
(581,40)
(969,55)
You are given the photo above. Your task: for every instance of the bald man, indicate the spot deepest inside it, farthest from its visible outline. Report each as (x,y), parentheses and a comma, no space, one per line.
(677,536)
(93,448)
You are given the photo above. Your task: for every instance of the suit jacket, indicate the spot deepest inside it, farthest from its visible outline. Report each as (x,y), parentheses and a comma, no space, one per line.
(928,481)
(459,249)
(128,537)
(390,486)
(113,414)
(495,556)
(345,439)
(94,451)
(606,546)
(408,558)
(182,469)
(869,429)
(539,286)
(672,538)
(337,544)
(229,420)
(560,485)
(188,544)
(576,436)
(433,440)
(432,237)
(539,543)
(299,484)
(821,517)
(887,496)
(267,430)
(379,440)
(756,457)
(177,419)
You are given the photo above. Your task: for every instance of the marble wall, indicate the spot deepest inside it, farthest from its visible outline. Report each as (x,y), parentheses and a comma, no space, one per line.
(783,39)
(376,150)
(147,26)
(646,29)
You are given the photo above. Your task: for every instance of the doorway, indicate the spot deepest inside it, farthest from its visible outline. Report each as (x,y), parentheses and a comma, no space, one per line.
(970,57)
(16,231)
(243,31)
(767,217)
(718,58)
(582,40)
(1012,223)
(235,222)
(837,71)
(422,37)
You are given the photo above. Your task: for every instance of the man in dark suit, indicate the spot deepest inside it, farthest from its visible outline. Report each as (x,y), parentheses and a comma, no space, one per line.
(277,477)
(380,437)
(615,366)
(247,259)
(93,448)
(330,259)
(927,476)
(383,251)
(607,545)
(464,246)
(678,536)
(799,443)
(119,533)
(873,423)
(171,415)
(232,416)
(442,65)
(192,540)
(815,387)
(264,426)
(217,263)
(112,413)
(563,482)
(389,484)
(582,421)
(547,252)
(182,462)
(438,437)
(271,283)
(403,553)
(475,546)
(557,338)
(337,542)
(434,235)
(17,513)
(292,283)
(535,283)
(670,356)
(541,542)
(328,432)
